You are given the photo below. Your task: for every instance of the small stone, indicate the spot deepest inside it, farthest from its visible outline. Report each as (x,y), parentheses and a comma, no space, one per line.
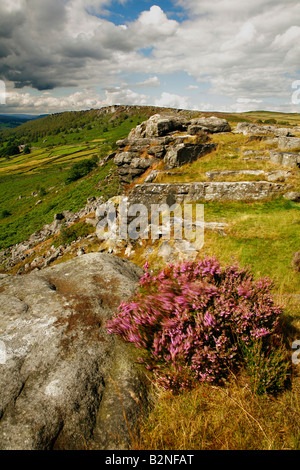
(296,261)
(292,196)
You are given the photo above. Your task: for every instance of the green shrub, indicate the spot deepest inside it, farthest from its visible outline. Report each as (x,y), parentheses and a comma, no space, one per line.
(4,214)
(26,150)
(10,151)
(81,169)
(72,233)
(269,371)
(270,121)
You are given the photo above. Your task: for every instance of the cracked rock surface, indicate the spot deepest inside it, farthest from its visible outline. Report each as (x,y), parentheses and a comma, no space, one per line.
(66,383)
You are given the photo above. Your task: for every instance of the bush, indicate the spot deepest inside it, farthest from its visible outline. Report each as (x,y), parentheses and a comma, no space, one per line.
(69,234)
(26,150)
(270,121)
(43,192)
(81,169)
(10,151)
(269,373)
(4,214)
(191,320)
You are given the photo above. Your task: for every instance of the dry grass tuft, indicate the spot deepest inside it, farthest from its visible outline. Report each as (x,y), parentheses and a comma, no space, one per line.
(223,418)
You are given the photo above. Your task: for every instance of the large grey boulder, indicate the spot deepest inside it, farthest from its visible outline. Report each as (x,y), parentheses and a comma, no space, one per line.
(66,383)
(180,154)
(124,158)
(158,126)
(211,124)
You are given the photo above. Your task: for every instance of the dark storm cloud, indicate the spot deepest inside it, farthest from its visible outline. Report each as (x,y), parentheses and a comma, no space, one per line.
(9,22)
(46,43)
(40,47)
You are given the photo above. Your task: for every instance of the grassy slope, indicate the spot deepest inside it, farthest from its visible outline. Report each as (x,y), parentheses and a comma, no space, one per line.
(46,168)
(262,235)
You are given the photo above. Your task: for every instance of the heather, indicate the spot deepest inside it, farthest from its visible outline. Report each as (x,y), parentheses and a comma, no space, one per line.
(199,322)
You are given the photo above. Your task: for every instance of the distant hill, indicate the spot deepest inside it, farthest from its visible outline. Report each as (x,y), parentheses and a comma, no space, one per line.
(72,126)
(10,121)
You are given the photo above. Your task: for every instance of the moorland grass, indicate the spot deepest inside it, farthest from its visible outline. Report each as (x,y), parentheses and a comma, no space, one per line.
(260,235)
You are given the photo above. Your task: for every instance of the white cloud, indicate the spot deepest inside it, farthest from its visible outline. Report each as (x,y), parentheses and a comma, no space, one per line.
(47,102)
(246,50)
(157,20)
(149,82)
(169,100)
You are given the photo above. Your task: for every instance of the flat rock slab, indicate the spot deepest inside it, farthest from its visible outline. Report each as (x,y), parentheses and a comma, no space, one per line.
(254,129)
(171,193)
(65,383)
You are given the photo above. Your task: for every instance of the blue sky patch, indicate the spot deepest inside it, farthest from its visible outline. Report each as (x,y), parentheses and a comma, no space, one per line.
(130,11)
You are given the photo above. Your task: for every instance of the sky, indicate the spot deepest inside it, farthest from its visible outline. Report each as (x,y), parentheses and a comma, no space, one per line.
(206,55)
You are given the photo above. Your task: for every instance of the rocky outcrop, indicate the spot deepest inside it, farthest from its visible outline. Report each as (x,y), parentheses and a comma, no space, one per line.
(288,159)
(288,143)
(152,193)
(181,154)
(131,165)
(157,126)
(257,130)
(174,140)
(67,384)
(209,124)
(273,176)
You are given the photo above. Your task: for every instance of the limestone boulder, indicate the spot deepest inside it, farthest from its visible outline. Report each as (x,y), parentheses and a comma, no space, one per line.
(211,124)
(180,154)
(158,126)
(289,143)
(65,382)
(287,159)
(251,129)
